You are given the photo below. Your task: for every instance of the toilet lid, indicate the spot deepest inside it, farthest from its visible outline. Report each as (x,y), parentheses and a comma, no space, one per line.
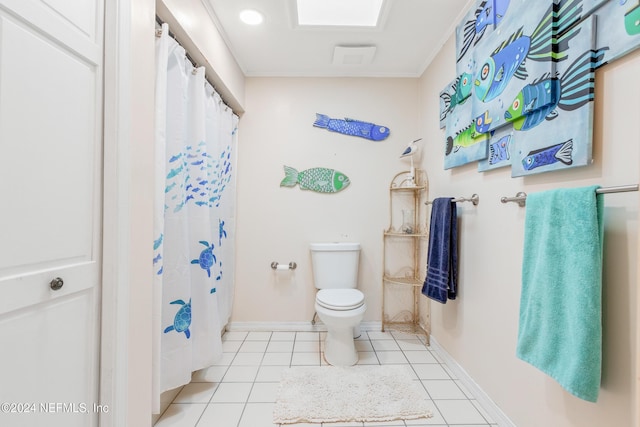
(340,299)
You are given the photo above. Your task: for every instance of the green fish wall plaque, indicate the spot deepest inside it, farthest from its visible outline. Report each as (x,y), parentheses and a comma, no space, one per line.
(320,180)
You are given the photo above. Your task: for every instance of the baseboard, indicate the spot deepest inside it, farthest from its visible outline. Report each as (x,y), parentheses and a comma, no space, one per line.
(292,326)
(489,405)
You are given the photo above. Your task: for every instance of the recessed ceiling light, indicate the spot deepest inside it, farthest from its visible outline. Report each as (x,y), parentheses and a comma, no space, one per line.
(352,13)
(251,17)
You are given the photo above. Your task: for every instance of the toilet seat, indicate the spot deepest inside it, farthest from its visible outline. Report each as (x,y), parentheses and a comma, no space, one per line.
(340,299)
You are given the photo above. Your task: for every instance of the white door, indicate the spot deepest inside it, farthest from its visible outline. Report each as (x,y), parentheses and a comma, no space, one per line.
(50,211)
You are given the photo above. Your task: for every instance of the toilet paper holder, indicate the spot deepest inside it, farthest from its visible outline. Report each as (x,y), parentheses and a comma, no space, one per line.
(276,266)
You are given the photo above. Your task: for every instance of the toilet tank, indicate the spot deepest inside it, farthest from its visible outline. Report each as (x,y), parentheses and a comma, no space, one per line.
(335,265)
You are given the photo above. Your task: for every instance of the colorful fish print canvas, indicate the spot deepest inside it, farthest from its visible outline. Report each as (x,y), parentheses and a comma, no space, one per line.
(541,145)
(352,127)
(533,71)
(320,180)
(500,147)
(532,45)
(455,94)
(618,27)
(480,20)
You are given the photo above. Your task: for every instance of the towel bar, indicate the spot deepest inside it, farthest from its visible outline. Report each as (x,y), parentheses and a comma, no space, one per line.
(475,199)
(521,197)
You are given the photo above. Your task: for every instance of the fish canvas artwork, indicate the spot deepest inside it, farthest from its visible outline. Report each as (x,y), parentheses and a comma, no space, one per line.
(320,180)
(454,95)
(352,127)
(532,67)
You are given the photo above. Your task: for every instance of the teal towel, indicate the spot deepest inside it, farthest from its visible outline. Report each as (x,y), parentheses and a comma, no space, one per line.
(560,329)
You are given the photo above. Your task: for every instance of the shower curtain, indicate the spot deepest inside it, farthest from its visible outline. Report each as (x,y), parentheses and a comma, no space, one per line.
(194,218)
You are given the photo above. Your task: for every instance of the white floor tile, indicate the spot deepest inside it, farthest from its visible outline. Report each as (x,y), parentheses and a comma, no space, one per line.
(430,371)
(196,393)
(232,393)
(459,412)
(443,389)
(391,357)
(305,359)
(247,359)
(367,358)
(307,336)
(412,344)
(253,347)
(384,345)
(257,415)
(270,374)
(351,424)
(306,346)
(241,387)
(240,374)
(276,359)
(221,414)
(280,347)
(423,356)
(258,336)
(263,393)
(181,415)
(385,424)
(283,336)
(377,335)
(234,336)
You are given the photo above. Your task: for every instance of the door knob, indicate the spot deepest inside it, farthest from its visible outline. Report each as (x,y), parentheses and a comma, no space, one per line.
(56,283)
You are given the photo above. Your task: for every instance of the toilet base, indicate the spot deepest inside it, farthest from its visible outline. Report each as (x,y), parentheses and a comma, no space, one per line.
(339,345)
(340,348)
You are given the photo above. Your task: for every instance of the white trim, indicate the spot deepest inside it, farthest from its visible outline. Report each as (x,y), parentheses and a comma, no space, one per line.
(114,373)
(292,326)
(483,398)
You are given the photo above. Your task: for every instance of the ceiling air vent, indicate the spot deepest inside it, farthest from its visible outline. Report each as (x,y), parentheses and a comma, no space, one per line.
(353,55)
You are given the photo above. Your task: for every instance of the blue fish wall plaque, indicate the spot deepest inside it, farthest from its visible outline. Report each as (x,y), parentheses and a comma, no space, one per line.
(352,127)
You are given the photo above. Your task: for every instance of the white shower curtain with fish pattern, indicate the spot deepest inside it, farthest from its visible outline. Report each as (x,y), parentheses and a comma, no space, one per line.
(194,219)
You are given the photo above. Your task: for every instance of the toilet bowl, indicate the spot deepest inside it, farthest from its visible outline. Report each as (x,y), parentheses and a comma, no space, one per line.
(341,310)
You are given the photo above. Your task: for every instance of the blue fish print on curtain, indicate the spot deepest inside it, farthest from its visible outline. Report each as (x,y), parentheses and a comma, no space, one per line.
(182,321)
(157,254)
(222,233)
(207,258)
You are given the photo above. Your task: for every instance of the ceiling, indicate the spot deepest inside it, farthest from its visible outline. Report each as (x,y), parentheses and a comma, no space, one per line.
(410,34)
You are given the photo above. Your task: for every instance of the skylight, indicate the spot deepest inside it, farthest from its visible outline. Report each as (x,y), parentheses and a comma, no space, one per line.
(352,13)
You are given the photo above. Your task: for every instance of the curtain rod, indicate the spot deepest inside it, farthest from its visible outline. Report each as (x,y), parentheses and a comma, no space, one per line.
(521,197)
(159,21)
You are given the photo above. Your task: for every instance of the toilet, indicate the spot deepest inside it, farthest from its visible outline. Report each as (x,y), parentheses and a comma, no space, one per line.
(339,304)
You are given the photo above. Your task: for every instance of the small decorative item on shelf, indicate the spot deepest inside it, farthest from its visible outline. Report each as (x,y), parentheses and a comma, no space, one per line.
(407,221)
(410,151)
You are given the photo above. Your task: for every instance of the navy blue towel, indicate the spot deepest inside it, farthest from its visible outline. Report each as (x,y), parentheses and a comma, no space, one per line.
(442,258)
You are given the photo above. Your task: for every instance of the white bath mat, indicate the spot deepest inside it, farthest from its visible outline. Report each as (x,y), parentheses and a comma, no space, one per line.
(316,394)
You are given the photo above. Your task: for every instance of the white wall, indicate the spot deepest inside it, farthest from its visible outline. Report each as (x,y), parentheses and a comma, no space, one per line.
(480,328)
(277,224)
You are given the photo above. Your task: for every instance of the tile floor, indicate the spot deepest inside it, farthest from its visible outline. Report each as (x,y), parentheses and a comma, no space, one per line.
(240,390)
